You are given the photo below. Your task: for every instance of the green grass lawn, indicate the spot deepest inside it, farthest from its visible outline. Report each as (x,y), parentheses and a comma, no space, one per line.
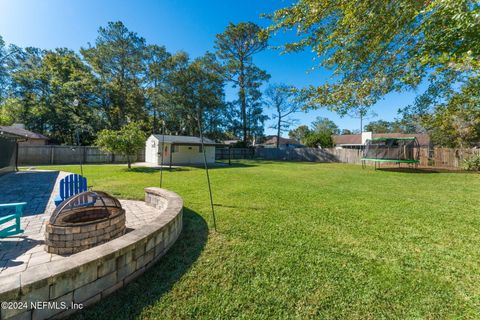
(307,240)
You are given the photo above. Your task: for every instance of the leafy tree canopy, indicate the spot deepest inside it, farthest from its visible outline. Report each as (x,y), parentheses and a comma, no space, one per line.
(451,114)
(118,58)
(282,99)
(379,126)
(377,47)
(236,47)
(197,94)
(52,92)
(127,141)
(319,140)
(325,125)
(404,125)
(299,133)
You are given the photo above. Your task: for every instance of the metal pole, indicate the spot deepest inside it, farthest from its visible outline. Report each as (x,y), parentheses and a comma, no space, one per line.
(206,171)
(163,146)
(361,122)
(79,149)
(16,155)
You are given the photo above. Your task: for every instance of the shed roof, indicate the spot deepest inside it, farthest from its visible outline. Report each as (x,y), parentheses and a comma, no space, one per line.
(21,133)
(184,140)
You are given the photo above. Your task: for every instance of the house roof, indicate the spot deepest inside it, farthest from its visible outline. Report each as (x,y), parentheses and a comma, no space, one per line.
(184,140)
(347,139)
(356,139)
(231,141)
(273,140)
(21,133)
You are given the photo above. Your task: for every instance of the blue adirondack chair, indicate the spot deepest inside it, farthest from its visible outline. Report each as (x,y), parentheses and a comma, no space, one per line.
(15,228)
(69,186)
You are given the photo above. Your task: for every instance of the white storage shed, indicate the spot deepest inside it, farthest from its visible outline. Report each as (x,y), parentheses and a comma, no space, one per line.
(178,150)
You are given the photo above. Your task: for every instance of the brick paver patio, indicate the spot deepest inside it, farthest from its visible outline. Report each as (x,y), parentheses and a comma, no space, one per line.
(38,189)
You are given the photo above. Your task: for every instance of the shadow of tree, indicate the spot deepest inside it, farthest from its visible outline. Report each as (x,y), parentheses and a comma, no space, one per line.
(426,170)
(215,166)
(408,170)
(238,207)
(128,302)
(234,164)
(14,247)
(155,169)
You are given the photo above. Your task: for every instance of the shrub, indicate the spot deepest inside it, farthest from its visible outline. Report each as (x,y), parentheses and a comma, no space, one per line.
(472,163)
(240,144)
(319,139)
(127,141)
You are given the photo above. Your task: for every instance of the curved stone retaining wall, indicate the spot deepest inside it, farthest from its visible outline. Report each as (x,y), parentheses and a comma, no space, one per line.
(88,276)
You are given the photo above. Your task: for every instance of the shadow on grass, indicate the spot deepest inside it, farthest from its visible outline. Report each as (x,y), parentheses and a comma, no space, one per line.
(154,170)
(423,170)
(408,170)
(214,166)
(259,161)
(128,302)
(234,164)
(238,207)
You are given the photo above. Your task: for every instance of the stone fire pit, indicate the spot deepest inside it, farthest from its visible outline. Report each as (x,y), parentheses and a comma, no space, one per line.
(84,221)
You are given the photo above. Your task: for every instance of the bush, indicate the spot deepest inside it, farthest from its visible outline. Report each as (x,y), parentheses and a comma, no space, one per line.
(472,163)
(127,141)
(319,139)
(240,144)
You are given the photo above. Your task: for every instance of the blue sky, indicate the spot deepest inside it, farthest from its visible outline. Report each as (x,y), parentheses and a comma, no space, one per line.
(189,25)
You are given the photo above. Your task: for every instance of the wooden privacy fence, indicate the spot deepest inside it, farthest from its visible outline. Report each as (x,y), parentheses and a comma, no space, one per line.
(55,155)
(445,157)
(429,158)
(51,155)
(234,153)
(303,154)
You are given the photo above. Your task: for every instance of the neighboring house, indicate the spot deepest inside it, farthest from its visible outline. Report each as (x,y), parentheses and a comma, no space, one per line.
(178,150)
(24,136)
(357,141)
(231,142)
(284,143)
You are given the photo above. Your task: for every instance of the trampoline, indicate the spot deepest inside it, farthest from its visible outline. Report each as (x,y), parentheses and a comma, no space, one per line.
(392,150)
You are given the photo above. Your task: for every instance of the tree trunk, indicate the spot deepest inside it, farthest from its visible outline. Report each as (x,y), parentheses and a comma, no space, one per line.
(129,162)
(154,126)
(278,130)
(243,102)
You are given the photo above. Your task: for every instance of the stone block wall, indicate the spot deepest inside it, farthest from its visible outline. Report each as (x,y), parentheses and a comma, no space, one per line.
(89,276)
(68,239)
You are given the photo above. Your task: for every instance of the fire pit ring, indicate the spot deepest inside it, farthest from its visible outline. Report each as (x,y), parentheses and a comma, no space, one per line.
(84,221)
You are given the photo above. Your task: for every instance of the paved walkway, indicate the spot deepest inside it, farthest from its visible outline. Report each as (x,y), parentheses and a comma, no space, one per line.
(38,189)
(34,187)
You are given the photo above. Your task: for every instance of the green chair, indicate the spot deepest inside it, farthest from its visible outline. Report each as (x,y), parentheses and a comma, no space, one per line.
(14,228)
